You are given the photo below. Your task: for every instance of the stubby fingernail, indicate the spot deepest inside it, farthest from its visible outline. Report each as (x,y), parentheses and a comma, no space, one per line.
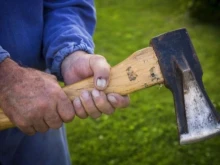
(112,99)
(85,95)
(101,83)
(95,93)
(77,102)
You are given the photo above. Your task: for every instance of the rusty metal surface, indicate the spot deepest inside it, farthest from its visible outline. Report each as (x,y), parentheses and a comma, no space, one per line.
(177,58)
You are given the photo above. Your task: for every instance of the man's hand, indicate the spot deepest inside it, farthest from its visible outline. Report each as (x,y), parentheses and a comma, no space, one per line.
(81,65)
(32,100)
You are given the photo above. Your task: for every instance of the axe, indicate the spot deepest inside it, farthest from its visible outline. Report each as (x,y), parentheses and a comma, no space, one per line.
(170,60)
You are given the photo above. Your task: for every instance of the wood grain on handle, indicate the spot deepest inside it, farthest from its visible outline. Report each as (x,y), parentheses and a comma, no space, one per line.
(138,71)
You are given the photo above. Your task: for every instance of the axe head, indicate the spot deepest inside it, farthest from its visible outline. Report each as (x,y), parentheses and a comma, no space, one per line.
(196,116)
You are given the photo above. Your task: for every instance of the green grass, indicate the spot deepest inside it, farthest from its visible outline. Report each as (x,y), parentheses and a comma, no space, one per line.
(145,133)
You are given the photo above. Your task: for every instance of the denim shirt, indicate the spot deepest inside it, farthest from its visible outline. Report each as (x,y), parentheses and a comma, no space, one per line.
(40,34)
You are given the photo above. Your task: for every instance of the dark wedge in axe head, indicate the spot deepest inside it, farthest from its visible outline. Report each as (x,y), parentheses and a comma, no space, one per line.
(170,60)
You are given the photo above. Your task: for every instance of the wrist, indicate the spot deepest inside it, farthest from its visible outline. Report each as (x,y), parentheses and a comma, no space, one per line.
(3,54)
(9,70)
(70,59)
(7,65)
(59,57)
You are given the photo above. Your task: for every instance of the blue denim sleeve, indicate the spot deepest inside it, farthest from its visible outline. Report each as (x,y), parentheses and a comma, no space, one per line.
(68,27)
(3,54)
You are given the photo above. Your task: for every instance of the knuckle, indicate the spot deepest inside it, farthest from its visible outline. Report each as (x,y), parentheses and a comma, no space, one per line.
(43,130)
(63,97)
(57,125)
(42,105)
(104,106)
(98,56)
(22,124)
(29,131)
(54,91)
(40,126)
(66,111)
(53,121)
(100,102)
(124,103)
(68,118)
(81,114)
(54,124)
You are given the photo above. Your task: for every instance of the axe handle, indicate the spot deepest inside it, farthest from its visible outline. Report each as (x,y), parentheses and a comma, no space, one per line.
(138,71)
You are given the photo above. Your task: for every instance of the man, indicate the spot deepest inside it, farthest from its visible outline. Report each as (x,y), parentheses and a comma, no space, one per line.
(56,35)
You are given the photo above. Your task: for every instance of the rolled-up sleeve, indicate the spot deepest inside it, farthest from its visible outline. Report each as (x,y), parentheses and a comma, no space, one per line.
(3,54)
(68,27)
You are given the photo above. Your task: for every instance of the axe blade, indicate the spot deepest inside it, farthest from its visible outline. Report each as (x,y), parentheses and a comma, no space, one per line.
(182,72)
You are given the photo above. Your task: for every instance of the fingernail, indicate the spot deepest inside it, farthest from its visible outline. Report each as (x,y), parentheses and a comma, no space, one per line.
(85,95)
(112,99)
(101,82)
(77,102)
(95,93)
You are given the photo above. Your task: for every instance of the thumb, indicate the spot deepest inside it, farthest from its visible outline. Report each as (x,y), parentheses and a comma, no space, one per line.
(101,71)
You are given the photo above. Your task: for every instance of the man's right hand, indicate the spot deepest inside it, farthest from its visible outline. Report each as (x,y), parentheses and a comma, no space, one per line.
(31,99)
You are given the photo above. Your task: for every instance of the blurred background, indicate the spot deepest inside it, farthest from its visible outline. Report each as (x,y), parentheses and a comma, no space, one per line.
(146,133)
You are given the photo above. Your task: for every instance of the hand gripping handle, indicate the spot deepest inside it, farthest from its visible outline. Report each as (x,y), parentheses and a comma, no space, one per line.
(138,71)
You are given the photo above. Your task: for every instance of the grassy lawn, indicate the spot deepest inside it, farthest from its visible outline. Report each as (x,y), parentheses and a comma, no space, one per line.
(145,133)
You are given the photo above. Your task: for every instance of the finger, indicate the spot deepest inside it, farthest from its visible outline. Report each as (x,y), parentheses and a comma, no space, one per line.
(101,70)
(89,105)
(24,126)
(53,120)
(101,102)
(28,130)
(79,109)
(65,108)
(118,101)
(40,126)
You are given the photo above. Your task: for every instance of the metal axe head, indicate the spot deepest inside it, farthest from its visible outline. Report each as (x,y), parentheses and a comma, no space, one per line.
(196,116)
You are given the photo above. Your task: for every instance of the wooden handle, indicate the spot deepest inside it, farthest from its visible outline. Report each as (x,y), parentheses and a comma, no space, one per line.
(138,71)
(4,121)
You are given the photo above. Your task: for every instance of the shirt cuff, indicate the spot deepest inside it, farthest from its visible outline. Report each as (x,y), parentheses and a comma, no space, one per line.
(3,54)
(60,56)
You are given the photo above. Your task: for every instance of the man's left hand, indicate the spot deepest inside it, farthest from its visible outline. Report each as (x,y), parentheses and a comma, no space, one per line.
(80,65)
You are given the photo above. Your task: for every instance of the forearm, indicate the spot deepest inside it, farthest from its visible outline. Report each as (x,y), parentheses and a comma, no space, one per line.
(7,68)
(3,54)
(10,71)
(69,26)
